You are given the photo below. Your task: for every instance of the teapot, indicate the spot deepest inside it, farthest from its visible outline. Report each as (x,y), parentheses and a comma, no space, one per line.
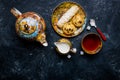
(30,26)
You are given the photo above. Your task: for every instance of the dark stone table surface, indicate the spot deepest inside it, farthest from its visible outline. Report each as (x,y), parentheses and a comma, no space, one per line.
(22,60)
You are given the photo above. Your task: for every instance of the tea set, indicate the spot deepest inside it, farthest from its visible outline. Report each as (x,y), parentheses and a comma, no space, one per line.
(68,20)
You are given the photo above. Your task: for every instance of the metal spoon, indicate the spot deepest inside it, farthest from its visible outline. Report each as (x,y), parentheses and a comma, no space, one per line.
(92,23)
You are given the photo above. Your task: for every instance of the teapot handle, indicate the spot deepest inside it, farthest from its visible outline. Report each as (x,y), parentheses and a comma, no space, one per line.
(16,12)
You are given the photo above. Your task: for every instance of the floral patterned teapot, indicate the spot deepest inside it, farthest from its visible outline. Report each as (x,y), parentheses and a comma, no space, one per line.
(30,26)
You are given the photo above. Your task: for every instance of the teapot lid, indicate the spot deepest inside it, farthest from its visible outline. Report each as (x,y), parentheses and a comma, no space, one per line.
(28,27)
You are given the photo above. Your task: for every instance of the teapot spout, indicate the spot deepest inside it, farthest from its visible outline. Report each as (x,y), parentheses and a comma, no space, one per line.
(42,39)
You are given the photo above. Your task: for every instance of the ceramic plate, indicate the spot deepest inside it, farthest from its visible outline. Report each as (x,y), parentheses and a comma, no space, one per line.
(59,11)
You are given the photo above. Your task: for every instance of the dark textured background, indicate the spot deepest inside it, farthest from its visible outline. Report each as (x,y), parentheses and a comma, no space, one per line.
(22,60)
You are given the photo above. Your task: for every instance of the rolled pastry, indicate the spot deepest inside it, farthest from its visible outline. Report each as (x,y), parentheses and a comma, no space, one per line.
(67,16)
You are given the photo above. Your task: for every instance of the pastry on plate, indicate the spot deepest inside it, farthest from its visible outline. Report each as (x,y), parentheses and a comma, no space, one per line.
(67,15)
(69,28)
(78,20)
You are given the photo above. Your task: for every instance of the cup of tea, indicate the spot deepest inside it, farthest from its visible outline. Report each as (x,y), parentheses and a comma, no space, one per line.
(91,43)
